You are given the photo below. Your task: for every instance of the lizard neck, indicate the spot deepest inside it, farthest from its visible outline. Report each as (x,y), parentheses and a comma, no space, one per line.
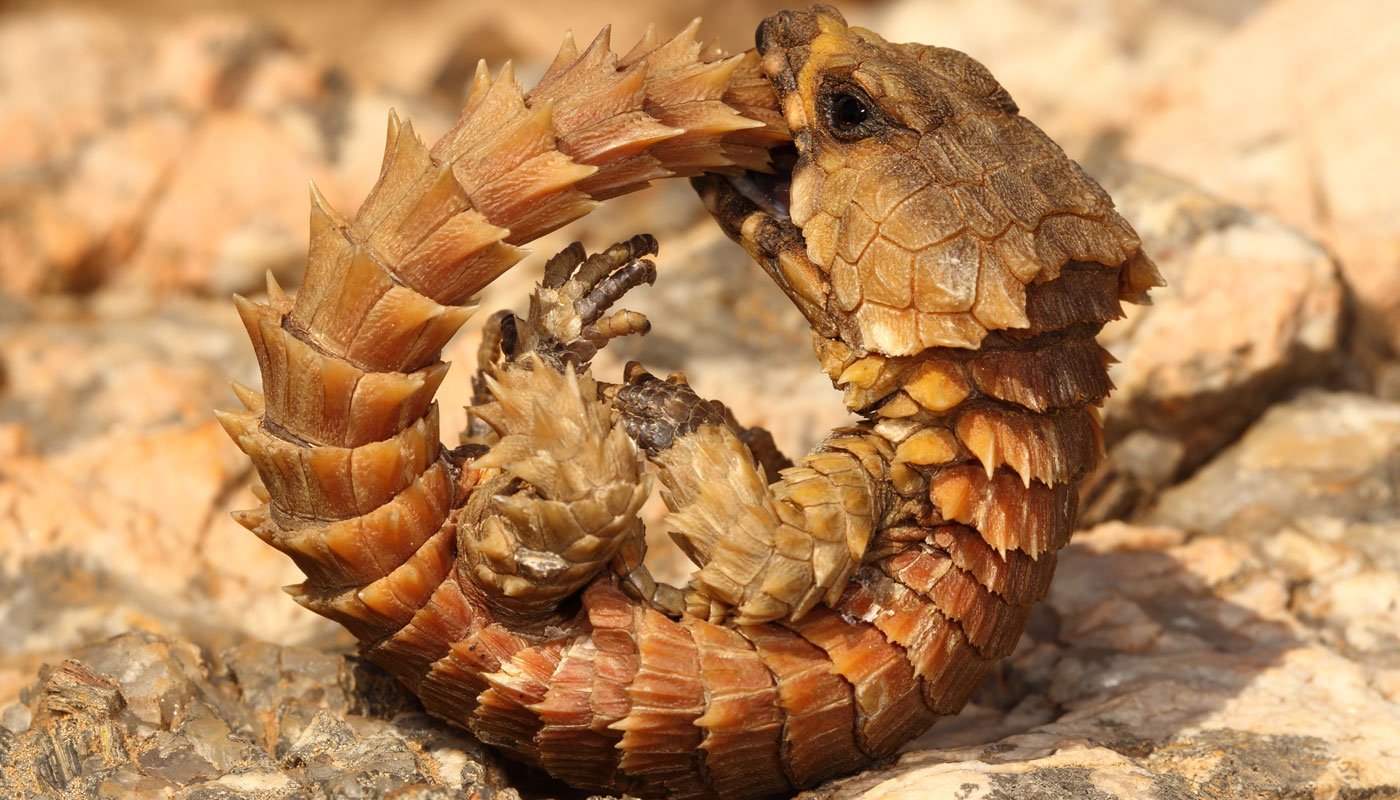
(1016,416)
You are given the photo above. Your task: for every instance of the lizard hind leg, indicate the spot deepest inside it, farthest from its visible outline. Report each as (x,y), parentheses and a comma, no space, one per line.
(766,551)
(562,481)
(564,498)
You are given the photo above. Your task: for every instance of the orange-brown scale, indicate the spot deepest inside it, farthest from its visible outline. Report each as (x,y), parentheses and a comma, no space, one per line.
(570,747)
(660,741)
(890,710)
(819,715)
(946,663)
(614,619)
(743,720)
(504,717)
(455,681)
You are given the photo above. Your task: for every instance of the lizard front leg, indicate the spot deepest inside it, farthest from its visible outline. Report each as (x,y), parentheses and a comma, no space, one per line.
(766,552)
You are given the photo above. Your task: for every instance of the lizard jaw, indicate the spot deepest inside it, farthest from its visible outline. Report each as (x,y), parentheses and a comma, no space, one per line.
(783,41)
(770,192)
(775,242)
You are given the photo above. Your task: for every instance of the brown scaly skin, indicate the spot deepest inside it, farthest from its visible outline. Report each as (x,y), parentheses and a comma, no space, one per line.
(955,266)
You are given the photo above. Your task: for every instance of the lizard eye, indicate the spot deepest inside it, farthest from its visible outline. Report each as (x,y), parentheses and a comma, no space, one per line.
(849,112)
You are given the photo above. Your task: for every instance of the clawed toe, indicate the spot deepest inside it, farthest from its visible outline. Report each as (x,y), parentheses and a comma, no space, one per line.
(609,290)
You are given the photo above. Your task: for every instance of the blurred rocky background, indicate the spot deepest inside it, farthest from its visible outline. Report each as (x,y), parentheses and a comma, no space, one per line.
(1228,624)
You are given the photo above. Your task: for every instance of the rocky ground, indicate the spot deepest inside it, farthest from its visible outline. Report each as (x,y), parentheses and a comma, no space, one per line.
(1227,625)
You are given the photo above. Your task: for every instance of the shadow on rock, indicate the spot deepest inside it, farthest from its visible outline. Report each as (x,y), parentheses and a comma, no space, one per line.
(1159,667)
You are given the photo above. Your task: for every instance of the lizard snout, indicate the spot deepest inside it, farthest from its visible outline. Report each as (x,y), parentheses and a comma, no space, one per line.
(790,28)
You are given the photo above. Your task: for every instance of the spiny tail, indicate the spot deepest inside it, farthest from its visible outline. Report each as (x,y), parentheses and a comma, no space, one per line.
(345,435)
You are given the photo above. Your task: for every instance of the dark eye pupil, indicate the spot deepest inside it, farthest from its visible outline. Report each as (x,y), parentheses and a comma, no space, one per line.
(848,111)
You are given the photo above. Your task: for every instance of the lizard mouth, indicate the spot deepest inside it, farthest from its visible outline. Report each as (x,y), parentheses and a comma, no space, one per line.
(771,193)
(753,210)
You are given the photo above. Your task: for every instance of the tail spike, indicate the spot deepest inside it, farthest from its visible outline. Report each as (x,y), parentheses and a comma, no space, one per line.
(275,294)
(394,124)
(645,45)
(567,55)
(321,206)
(480,85)
(251,399)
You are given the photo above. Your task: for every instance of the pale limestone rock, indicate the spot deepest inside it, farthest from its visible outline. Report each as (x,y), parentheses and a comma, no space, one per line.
(131,531)
(124,363)
(1296,112)
(131,164)
(1079,69)
(47,112)
(1092,773)
(140,715)
(1176,668)
(1251,310)
(116,484)
(1322,455)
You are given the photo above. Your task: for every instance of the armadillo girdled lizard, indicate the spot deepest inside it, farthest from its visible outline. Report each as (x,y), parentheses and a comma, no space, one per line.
(955,267)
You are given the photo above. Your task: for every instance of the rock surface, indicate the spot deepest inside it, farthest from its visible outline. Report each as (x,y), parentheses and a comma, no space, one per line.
(1236,638)
(1079,69)
(115,483)
(1252,309)
(1333,456)
(143,716)
(1298,130)
(1170,667)
(130,165)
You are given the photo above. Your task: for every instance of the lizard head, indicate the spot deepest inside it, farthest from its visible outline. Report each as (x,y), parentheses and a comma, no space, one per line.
(916,206)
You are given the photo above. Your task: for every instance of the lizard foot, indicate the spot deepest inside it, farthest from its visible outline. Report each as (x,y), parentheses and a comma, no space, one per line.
(568,322)
(656,412)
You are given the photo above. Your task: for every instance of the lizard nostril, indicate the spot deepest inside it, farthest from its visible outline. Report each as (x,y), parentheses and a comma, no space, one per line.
(772,31)
(786,29)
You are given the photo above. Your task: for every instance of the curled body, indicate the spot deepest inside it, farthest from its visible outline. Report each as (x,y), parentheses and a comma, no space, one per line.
(954,266)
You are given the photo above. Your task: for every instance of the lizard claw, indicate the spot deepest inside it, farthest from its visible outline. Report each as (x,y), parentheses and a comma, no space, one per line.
(568,322)
(655,412)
